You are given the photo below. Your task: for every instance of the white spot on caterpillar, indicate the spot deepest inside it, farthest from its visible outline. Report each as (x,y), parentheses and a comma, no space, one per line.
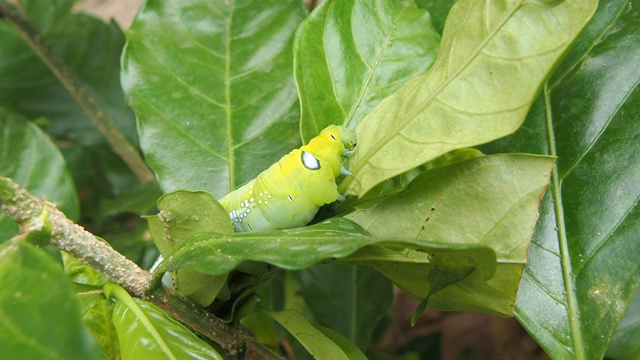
(252,200)
(309,161)
(260,202)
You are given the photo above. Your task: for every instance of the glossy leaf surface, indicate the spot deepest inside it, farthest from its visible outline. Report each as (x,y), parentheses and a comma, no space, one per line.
(349,55)
(212,87)
(29,328)
(489,200)
(29,157)
(487,47)
(582,267)
(147,332)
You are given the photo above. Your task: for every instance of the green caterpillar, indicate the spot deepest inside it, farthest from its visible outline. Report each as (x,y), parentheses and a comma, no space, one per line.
(289,193)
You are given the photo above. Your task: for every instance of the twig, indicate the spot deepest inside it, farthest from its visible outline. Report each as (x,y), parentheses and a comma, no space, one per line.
(39,217)
(77,90)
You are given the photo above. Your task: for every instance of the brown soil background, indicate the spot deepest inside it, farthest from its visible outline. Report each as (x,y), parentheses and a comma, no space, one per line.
(486,336)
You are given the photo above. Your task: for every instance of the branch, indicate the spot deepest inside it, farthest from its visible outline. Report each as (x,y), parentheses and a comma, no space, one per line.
(38,218)
(75,87)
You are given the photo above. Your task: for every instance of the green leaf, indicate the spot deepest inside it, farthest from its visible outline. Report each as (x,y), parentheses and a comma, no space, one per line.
(39,314)
(319,341)
(349,299)
(583,268)
(183,214)
(490,201)
(212,87)
(487,47)
(292,249)
(349,55)
(91,51)
(147,332)
(624,344)
(33,161)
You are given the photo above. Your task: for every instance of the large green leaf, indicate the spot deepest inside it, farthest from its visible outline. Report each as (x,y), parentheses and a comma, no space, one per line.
(39,314)
(493,59)
(489,200)
(212,86)
(350,54)
(65,66)
(29,157)
(349,299)
(90,50)
(583,266)
(147,332)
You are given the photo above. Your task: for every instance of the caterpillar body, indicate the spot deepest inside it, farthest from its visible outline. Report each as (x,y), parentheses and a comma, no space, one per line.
(290,192)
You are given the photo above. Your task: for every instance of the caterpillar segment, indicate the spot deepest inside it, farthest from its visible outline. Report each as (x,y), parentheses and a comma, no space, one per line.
(290,192)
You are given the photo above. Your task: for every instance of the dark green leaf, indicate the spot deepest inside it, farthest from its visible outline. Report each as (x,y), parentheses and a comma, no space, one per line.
(349,299)
(212,86)
(463,100)
(352,54)
(583,267)
(147,332)
(33,161)
(490,201)
(91,50)
(40,316)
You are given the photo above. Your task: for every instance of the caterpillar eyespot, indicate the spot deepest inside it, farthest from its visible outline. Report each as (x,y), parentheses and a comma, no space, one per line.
(295,186)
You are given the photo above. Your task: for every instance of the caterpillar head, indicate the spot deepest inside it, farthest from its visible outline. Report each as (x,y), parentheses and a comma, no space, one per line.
(330,145)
